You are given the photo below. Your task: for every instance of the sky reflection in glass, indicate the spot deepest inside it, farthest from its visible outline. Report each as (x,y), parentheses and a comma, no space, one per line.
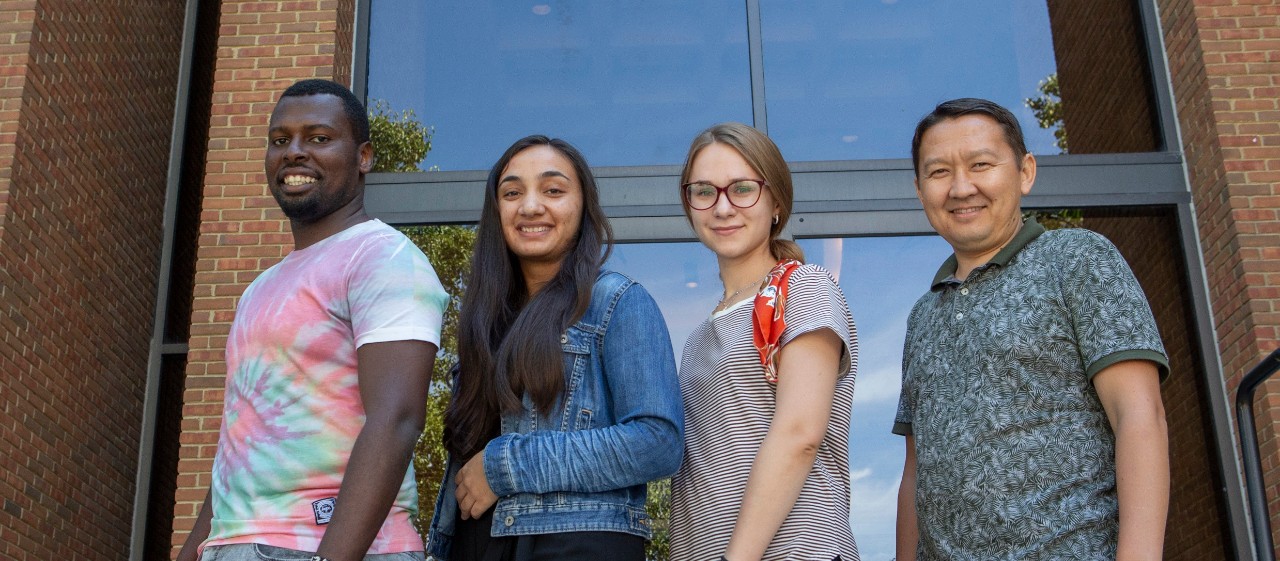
(849,80)
(628,83)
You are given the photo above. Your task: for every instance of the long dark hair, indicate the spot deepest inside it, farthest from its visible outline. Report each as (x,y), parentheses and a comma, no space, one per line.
(509,342)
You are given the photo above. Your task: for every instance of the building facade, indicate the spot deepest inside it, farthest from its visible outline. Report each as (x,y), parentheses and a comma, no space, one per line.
(134,212)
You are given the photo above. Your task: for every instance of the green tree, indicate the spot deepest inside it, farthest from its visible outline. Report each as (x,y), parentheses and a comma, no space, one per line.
(1048,110)
(400,143)
(449,249)
(658,505)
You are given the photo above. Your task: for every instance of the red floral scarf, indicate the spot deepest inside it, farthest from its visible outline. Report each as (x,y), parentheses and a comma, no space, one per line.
(766,316)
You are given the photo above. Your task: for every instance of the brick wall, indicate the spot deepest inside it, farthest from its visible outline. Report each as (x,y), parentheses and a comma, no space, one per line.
(15,42)
(86,110)
(262,48)
(1224,58)
(1102,74)
(344,41)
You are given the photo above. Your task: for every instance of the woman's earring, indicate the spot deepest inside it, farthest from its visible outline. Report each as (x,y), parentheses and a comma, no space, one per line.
(775,220)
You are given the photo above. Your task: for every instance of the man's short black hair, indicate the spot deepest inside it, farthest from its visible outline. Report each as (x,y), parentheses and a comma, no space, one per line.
(356,113)
(970,106)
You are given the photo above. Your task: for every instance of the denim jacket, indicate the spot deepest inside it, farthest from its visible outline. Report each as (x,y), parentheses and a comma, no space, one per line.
(620,424)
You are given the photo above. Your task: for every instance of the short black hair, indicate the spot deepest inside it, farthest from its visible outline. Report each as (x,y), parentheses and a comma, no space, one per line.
(356,113)
(970,106)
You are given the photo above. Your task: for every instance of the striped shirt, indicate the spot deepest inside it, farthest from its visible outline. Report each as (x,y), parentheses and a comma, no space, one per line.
(728,408)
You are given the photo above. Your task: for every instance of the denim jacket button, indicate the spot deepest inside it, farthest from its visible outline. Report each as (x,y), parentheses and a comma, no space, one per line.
(564,339)
(510,520)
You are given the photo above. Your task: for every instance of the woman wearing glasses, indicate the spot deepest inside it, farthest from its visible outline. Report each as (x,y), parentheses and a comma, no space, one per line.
(766,395)
(566,401)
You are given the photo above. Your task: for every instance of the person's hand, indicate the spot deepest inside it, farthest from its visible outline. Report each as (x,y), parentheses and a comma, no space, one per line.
(474,495)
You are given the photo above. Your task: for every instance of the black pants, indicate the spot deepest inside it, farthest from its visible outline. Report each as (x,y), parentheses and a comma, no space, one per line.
(473,543)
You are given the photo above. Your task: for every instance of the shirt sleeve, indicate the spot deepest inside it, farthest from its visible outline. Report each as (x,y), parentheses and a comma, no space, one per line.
(902,420)
(393,293)
(815,301)
(1109,312)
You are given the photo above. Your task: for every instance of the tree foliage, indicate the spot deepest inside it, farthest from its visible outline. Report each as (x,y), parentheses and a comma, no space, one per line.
(400,141)
(658,505)
(449,249)
(1048,110)
(1053,219)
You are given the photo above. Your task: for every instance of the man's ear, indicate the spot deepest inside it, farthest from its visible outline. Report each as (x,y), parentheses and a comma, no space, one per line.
(366,157)
(1027,173)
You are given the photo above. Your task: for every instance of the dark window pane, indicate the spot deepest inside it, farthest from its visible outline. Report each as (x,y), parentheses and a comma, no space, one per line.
(629,83)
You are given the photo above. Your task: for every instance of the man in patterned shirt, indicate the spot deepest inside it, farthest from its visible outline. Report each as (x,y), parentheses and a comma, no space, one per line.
(1031,370)
(328,362)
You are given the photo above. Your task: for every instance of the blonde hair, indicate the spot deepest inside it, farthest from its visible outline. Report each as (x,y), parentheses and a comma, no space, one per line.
(764,157)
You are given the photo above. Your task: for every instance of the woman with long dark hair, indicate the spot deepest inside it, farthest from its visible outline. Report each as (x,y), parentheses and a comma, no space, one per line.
(565,402)
(767,380)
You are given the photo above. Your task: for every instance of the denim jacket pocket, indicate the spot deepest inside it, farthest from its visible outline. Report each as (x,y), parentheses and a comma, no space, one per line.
(583,419)
(581,388)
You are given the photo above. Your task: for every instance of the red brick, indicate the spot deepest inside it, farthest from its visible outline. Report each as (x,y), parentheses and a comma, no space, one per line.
(91,109)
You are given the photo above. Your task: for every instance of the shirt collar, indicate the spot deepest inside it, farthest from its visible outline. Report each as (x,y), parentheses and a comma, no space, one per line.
(1029,231)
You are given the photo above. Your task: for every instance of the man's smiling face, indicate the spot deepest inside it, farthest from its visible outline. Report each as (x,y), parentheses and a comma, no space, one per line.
(971,185)
(314,163)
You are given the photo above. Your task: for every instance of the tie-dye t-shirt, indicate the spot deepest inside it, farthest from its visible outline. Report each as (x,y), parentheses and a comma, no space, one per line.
(292,407)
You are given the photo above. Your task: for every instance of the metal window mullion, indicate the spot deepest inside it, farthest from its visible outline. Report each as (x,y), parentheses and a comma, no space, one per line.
(360,52)
(146,444)
(1162,86)
(1218,400)
(755,54)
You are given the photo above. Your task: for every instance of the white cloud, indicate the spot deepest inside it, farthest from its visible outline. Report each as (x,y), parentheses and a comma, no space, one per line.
(872,512)
(880,361)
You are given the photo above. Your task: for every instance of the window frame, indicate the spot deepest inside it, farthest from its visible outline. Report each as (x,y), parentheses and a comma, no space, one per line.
(643,205)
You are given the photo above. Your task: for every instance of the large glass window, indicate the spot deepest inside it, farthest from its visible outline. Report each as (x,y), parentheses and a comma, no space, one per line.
(849,80)
(837,83)
(629,83)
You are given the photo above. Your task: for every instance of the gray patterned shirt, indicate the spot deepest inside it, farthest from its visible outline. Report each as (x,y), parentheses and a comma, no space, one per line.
(1015,458)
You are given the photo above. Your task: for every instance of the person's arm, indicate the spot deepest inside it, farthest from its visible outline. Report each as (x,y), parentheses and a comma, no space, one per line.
(1130,395)
(199,532)
(908,533)
(807,372)
(394,377)
(645,443)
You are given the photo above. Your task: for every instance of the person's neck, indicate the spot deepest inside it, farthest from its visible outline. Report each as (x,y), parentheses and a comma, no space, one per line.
(306,235)
(967,262)
(538,274)
(746,271)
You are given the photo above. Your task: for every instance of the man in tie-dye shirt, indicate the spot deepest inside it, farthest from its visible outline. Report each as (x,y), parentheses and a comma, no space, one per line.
(328,361)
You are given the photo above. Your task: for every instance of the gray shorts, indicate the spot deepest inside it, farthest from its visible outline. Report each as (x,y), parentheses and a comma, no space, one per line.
(259,552)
